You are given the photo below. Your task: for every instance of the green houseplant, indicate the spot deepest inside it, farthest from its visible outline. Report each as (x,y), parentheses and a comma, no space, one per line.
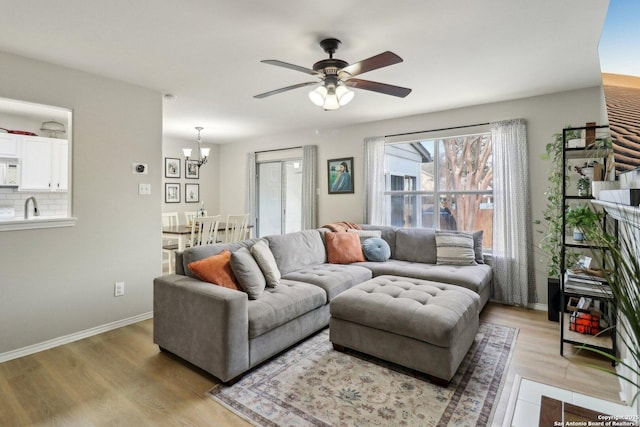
(623,278)
(551,221)
(583,220)
(584,186)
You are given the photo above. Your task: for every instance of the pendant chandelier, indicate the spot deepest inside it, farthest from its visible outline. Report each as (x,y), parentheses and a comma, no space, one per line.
(203,152)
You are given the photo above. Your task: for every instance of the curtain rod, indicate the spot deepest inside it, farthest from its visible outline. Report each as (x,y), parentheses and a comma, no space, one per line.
(279,149)
(437,130)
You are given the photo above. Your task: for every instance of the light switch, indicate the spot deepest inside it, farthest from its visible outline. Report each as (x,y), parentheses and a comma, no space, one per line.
(144,189)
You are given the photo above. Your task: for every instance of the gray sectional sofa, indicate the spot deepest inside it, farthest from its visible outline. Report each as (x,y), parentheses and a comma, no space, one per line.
(225,333)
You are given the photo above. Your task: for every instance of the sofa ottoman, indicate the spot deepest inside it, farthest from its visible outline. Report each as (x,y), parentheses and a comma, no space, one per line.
(423,325)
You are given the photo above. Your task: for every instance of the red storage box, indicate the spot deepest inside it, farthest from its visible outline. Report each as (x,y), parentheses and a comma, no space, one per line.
(585,323)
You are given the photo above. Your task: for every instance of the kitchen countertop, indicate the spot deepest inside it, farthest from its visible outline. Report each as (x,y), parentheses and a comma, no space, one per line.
(34,222)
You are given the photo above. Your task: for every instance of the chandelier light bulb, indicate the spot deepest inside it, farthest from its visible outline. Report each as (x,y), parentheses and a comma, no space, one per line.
(344,95)
(331,102)
(317,95)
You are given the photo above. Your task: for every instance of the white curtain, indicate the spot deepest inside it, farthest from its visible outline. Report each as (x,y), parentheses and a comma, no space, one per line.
(309,187)
(513,273)
(250,201)
(375,202)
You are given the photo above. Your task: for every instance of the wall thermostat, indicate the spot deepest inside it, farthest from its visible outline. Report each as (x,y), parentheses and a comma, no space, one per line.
(140,168)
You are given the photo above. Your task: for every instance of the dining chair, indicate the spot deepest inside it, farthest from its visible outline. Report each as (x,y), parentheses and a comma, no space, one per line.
(204,230)
(169,246)
(189,215)
(236,228)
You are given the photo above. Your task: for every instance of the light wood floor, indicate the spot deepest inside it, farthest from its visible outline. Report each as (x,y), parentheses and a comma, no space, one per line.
(120,378)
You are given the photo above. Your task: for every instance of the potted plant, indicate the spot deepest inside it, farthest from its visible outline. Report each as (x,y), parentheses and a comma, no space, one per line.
(551,221)
(583,220)
(584,186)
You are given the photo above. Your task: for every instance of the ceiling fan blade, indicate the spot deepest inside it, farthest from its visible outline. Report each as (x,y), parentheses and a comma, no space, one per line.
(284,89)
(290,66)
(387,89)
(383,59)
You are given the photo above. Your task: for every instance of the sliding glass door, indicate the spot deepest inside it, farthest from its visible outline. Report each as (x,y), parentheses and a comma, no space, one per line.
(279,197)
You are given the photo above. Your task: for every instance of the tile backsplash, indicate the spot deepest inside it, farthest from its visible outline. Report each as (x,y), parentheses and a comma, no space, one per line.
(49,204)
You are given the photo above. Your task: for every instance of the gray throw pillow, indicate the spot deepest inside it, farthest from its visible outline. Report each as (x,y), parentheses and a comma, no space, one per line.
(477,246)
(376,249)
(262,254)
(247,272)
(455,248)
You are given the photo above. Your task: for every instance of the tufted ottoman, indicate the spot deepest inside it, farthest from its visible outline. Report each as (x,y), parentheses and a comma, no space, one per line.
(422,325)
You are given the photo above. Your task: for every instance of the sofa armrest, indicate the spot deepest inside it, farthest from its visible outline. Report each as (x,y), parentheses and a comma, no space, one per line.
(205,324)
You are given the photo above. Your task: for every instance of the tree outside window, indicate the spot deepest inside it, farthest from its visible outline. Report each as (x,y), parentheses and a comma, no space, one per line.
(441,183)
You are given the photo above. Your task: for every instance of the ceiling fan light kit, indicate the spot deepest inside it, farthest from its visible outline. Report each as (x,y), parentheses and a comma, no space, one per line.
(330,97)
(336,76)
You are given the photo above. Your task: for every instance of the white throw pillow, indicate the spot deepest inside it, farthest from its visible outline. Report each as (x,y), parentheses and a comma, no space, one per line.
(264,257)
(455,248)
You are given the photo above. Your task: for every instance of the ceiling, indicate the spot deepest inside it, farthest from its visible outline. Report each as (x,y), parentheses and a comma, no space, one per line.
(207,53)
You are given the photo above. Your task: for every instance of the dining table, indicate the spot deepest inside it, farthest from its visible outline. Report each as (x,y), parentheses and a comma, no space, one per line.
(183,233)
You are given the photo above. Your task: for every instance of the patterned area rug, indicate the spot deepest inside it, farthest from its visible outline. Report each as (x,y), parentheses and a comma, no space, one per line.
(314,385)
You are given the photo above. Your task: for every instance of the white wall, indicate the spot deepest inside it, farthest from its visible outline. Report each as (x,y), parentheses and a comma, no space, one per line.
(545,116)
(209,178)
(57,282)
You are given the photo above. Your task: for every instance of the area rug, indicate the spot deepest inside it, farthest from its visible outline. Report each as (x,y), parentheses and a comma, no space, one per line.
(314,385)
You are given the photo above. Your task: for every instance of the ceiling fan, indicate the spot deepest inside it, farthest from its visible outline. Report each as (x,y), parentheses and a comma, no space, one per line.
(336,76)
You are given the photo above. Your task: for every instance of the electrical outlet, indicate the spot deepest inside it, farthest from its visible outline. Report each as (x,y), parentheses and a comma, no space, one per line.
(118,289)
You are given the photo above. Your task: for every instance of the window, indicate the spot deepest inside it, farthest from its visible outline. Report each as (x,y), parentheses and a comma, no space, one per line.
(444,183)
(39,151)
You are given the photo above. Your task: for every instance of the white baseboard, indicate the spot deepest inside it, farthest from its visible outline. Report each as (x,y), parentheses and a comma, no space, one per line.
(35,348)
(538,306)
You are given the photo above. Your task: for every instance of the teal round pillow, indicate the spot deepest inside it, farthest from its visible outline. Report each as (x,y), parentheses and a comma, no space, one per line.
(376,249)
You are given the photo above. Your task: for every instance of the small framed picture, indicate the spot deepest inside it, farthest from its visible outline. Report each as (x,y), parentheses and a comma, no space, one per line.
(171,192)
(340,175)
(191,169)
(192,193)
(171,167)
(584,262)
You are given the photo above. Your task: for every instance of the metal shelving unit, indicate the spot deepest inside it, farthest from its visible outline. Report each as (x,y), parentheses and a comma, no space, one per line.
(572,288)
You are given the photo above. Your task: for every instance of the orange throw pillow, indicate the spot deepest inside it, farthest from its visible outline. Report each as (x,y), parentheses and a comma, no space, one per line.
(343,247)
(216,269)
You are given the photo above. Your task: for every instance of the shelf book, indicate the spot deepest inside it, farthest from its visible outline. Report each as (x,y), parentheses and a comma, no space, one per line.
(587,284)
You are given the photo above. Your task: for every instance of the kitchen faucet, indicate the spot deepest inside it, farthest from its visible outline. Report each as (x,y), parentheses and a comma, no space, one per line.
(36,212)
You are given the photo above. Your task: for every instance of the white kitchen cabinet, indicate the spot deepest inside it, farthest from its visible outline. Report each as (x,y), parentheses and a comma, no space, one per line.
(60,165)
(44,164)
(8,145)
